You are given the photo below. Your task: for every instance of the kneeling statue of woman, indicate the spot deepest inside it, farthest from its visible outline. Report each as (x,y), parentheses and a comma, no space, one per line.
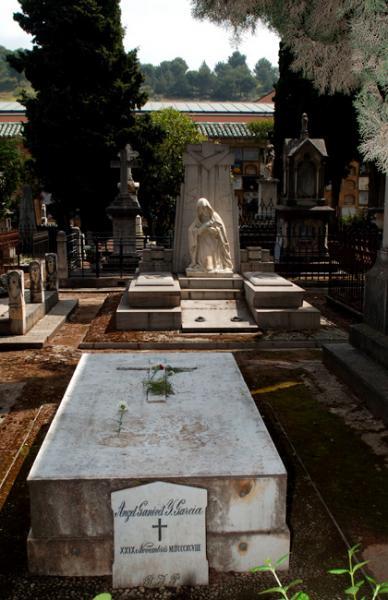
(208,244)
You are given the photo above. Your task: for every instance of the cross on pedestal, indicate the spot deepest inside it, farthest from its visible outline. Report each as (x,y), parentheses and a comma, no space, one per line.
(127,156)
(159,527)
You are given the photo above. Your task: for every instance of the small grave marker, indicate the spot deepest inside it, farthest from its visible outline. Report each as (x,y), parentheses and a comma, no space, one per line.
(159,536)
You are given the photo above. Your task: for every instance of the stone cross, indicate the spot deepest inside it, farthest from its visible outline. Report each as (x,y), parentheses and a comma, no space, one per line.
(124,164)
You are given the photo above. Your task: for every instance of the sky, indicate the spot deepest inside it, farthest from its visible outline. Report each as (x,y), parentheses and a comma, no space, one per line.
(163,30)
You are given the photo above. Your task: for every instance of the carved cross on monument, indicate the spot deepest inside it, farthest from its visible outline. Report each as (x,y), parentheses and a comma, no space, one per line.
(127,156)
(159,527)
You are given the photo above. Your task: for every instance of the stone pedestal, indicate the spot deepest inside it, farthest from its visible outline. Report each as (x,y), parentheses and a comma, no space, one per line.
(123,212)
(268,197)
(16,302)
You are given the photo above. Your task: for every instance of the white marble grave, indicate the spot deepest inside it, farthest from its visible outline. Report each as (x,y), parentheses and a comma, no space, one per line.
(206,434)
(159,536)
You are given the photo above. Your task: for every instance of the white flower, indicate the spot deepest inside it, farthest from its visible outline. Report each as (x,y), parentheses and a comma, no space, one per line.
(123,407)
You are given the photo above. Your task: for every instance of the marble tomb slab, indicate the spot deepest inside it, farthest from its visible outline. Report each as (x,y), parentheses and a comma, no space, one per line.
(207,434)
(154,279)
(267,279)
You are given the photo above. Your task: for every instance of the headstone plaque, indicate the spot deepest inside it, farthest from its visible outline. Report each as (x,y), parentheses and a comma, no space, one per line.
(51,272)
(36,270)
(159,536)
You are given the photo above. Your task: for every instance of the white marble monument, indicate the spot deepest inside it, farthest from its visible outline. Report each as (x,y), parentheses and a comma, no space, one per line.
(207,175)
(208,243)
(204,433)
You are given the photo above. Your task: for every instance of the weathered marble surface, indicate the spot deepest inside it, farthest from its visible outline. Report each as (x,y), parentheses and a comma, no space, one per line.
(207,174)
(207,434)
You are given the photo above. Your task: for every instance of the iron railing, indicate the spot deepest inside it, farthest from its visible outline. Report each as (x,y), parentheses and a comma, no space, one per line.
(353,251)
(98,254)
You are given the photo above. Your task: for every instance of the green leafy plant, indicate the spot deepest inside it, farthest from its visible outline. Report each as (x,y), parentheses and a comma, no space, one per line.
(158,383)
(353,571)
(103,596)
(356,584)
(281,589)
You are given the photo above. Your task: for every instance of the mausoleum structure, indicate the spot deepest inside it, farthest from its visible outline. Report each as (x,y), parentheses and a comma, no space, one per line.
(303,216)
(208,284)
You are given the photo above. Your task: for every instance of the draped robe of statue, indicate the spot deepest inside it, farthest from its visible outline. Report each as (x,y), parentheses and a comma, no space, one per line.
(208,243)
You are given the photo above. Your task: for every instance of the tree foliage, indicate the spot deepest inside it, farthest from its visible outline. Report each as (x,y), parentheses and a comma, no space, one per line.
(341,45)
(86,88)
(10,80)
(161,139)
(230,80)
(262,129)
(11,170)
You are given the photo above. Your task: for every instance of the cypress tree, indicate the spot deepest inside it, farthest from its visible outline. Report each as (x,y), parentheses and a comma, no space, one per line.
(86,88)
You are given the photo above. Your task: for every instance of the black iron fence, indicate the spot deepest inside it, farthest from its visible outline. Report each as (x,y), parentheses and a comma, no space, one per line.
(337,260)
(353,251)
(98,254)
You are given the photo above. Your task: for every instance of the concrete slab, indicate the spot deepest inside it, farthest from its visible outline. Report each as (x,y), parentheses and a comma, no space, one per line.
(40,333)
(289,319)
(267,279)
(154,279)
(216,316)
(273,296)
(207,434)
(34,312)
(164,294)
(367,378)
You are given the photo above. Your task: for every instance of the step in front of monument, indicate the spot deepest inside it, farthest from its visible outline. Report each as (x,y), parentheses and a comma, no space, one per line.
(128,318)
(217,316)
(289,319)
(206,434)
(203,283)
(211,294)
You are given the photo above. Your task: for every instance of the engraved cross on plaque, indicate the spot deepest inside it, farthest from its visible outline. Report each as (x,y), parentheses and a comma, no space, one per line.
(159,527)
(127,156)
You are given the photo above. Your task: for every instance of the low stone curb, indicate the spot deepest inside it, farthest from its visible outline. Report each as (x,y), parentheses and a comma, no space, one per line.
(43,331)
